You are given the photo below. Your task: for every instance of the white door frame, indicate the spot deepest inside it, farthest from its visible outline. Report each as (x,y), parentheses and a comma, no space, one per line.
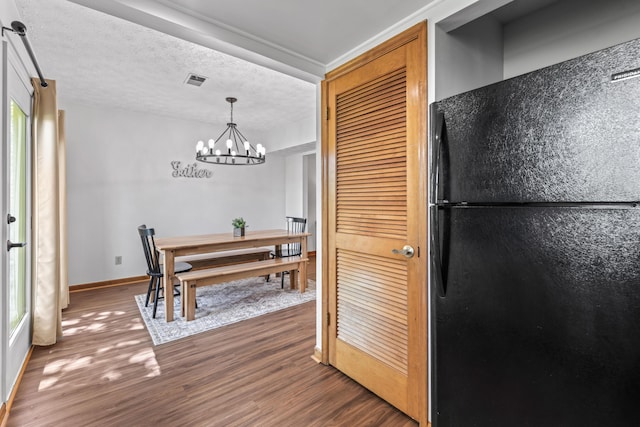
(14,348)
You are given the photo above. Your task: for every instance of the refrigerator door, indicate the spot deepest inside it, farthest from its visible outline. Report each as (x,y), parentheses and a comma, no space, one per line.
(537,323)
(565,133)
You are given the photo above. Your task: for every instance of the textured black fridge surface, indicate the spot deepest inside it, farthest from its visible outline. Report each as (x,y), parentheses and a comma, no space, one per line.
(540,325)
(562,133)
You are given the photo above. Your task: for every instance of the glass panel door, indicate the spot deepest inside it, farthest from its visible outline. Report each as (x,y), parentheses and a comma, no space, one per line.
(17,219)
(15,298)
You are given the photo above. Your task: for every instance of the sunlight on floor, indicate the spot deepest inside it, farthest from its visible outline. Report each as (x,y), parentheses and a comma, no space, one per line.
(96,368)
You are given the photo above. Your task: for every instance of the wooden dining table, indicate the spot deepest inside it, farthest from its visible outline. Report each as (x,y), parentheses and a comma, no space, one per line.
(172,247)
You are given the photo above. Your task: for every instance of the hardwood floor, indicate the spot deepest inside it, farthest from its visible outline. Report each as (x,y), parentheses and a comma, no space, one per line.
(106,372)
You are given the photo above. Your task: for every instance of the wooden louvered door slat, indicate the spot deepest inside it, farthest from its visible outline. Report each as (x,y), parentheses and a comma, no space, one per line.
(376,178)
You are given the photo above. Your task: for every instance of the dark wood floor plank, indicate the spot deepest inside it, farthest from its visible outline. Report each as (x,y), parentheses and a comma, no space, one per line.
(107,372)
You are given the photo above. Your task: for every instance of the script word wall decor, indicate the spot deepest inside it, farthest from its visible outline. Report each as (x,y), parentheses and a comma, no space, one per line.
(189,171)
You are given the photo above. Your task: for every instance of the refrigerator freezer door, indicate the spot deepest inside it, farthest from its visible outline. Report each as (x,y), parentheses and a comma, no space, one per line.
(563,133)
(540,322)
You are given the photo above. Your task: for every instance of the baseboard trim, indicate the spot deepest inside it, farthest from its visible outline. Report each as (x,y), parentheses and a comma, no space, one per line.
(6,409)
(108,283)
(317,355)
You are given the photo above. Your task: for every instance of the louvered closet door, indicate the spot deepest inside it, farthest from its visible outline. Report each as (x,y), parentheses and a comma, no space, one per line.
(377,203)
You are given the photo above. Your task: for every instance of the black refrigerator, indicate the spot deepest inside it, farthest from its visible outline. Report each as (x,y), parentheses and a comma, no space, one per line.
(535,248)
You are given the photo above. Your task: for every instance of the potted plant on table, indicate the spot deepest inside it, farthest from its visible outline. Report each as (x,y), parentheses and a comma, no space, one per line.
(239,224)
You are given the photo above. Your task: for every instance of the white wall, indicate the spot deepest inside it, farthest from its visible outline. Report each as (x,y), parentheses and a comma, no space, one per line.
(295,183)
(567,29)
(467,57)
(299,176)
(119,176)
(309,196)
(296,133)
(484,51)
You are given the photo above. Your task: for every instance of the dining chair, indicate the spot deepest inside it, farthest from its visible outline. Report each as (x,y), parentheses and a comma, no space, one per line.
(294,225)
(154,267)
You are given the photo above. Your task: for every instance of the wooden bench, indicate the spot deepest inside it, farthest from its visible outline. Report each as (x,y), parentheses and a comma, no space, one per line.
(191,280)
(216,259)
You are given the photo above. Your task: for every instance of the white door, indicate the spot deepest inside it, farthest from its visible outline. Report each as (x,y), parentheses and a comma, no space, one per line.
(16,289)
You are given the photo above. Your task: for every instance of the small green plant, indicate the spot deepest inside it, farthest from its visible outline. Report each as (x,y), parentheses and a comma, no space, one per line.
(239,223)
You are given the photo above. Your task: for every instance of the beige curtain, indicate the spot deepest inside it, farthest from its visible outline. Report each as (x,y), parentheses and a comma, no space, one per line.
(50,287)
(62,200)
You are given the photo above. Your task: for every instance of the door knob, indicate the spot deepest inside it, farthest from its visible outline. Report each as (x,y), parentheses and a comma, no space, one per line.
(11,245)
(406,250)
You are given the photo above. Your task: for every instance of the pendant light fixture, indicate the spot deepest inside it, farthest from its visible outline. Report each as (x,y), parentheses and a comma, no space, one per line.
(231,147)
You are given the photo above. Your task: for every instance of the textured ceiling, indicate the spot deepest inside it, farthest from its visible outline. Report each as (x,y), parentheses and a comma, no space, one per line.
(100,59)
(110,59)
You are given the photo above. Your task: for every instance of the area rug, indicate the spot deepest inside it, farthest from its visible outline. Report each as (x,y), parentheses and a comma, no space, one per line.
(223,304)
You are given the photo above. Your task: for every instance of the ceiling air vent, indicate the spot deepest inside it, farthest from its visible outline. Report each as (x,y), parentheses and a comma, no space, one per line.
(195,80)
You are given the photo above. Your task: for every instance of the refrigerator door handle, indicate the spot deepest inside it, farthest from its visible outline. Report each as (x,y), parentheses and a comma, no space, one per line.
(435,170)
(438,134)
(438,277)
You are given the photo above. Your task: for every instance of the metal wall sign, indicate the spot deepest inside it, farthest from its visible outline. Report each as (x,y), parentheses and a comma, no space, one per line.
(189,171)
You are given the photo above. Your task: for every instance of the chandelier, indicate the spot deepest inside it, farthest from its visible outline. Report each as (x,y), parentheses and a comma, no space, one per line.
(235,150)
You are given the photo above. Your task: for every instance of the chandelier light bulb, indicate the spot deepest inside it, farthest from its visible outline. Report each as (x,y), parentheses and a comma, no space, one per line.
(204,150)
(247,146)
(229,143)
(211,143)
(199,145)
(233,153)
(218,153)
